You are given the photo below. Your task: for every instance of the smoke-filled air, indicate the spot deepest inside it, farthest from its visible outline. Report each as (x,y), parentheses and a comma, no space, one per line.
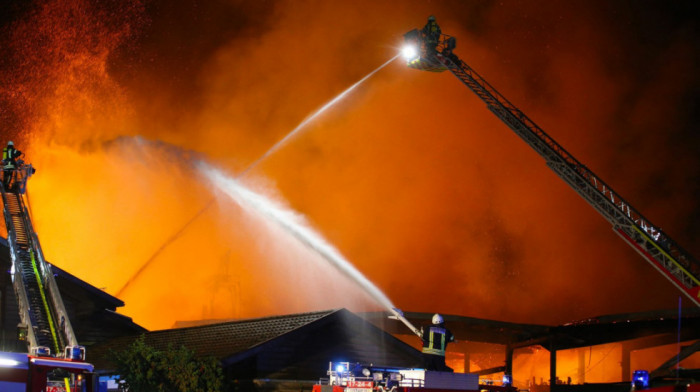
(233,159)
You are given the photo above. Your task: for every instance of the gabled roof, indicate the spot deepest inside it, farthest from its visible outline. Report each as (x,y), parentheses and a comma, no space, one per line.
(339,335)
(297,345)
(106,300)
(92,311)
(219,340)
(77,286)
(224,339)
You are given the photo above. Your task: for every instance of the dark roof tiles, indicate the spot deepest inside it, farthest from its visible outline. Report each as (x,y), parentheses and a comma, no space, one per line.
(221,340)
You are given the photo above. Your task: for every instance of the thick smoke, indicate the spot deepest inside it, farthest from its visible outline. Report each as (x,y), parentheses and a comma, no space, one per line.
(411,177)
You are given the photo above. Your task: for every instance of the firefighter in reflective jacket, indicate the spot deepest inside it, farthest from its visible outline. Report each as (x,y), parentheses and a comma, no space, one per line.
(431,35)
(9,162)
(435,341)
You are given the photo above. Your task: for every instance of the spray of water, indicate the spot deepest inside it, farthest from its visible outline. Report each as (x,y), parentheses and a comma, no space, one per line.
(299,230)
(294,224)
(312,117)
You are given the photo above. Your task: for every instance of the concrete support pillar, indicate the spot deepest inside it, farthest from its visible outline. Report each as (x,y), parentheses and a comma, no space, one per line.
(552,368)
(509,362)
(625,363)
(582,364)
(466,361)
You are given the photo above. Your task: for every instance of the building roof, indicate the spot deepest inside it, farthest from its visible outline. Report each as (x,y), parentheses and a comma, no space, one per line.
(234,336)
(92,311)
(464,328)
(296,345)
(219,340)
(621,327)
(583,333)
(85,289)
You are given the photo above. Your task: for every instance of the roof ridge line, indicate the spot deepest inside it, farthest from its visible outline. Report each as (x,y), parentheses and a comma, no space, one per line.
(250,320)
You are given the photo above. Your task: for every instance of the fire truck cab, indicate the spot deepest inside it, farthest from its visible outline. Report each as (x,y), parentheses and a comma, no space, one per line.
(21,372)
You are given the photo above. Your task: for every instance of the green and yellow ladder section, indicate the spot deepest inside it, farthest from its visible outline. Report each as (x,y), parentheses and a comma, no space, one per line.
(655,246)
(41,307)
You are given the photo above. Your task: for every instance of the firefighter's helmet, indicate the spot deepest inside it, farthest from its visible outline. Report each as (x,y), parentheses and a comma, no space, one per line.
(10,143)
(437,319)
(431,18)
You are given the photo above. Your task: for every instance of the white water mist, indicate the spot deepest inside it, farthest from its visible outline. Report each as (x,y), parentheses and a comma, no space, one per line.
(294,224)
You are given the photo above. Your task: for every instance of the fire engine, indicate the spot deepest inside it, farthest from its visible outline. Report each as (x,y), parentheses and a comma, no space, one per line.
(54,362)
(356,377)
(21,372)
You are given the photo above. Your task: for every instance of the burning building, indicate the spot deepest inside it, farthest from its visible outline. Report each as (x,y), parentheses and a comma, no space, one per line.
(410,178)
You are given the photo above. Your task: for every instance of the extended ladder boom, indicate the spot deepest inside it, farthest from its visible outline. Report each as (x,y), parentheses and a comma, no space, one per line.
(48,329)
(646,238)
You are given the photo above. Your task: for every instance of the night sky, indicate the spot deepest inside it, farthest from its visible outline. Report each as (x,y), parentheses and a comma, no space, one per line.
(411,177)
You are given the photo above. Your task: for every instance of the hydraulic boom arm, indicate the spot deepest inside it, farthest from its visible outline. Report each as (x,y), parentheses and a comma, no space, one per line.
(647,239)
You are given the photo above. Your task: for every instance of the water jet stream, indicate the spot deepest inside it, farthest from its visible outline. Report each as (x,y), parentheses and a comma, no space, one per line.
(380,297)
(294,225)
(312,117)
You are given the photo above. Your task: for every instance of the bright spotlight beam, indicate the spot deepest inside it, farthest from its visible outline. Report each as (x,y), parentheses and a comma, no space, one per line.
(409,52)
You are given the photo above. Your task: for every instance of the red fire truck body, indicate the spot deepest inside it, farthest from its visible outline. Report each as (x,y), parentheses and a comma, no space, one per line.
(346,377)
(21,372)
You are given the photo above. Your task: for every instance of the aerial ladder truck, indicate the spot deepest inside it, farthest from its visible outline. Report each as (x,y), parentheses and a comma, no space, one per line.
(655,246)
(54,361)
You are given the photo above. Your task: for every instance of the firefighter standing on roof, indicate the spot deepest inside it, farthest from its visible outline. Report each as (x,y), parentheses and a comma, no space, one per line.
(435,341)
(431,34)
(9,161)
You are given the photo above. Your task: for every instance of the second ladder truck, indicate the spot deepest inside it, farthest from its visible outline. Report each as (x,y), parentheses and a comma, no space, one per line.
(663,253)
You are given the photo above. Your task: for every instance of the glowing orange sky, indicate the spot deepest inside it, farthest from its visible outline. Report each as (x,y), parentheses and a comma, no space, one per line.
(411,177)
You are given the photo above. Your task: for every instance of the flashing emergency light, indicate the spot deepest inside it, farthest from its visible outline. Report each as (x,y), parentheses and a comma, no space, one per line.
(409,52)
(640,379)
(340,368)
(506,379)
(6,362)
(41,351)
(75,353)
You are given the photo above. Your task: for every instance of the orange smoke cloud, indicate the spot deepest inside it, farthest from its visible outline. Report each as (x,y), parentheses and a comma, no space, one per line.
(410,177)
